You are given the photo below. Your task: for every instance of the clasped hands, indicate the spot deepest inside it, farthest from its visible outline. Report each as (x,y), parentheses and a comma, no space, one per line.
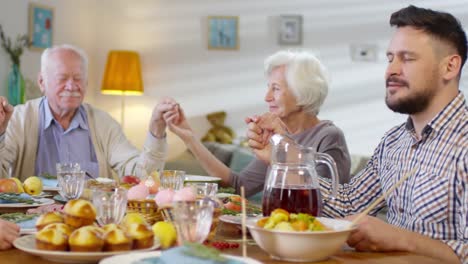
(6,110)
(259,131)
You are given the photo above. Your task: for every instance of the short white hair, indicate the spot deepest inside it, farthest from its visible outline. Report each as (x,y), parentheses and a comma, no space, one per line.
(45,57)
(305,76)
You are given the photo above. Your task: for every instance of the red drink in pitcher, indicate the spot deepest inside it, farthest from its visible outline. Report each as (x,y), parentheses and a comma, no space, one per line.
(294,199)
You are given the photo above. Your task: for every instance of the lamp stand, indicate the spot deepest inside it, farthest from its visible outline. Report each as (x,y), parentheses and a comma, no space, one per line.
(122,112)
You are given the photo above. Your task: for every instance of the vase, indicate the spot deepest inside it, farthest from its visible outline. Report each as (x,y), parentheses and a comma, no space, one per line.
(15,86)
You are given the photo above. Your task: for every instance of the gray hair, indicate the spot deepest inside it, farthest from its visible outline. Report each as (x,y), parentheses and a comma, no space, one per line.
(45,57)
(305,76)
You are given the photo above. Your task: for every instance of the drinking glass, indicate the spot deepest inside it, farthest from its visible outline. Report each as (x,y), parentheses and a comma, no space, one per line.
(71,184)
(192,220)
(172,179)
(110,205)
(203,189)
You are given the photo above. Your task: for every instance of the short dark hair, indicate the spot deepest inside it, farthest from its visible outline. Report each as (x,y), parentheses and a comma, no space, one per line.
(441,25)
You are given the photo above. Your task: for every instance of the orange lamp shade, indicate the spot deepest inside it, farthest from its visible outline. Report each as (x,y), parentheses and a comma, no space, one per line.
(123,74)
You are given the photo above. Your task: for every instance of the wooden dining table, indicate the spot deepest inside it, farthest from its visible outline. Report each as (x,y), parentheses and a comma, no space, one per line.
(229,232)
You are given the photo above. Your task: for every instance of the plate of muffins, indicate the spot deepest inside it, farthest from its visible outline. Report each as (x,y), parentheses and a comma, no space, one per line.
(71,236)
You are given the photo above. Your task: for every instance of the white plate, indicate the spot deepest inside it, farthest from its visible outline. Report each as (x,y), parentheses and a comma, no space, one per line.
(198,178)
(51,188)
(237,219)
(28,227)
(28,244)
(37,202)
(133,257)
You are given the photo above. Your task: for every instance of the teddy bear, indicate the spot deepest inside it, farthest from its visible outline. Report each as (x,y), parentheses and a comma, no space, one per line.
(219,132)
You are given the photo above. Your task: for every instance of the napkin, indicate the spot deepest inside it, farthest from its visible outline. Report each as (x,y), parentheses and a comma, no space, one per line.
(7,201)
(177,255)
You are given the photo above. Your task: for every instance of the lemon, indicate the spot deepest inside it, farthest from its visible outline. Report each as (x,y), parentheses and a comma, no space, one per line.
(19,184)
(166,233)
(33,185)
(133,218)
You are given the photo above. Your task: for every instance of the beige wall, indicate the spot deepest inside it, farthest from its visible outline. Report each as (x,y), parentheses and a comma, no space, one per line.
(171,39)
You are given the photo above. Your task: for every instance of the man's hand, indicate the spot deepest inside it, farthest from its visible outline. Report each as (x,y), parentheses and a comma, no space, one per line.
(374,234)
(6,110)
(259,131)
(158,124)
(8,233)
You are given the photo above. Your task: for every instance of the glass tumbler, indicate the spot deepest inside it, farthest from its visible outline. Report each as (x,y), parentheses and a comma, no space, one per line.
(192,220)
(110,205)
(71,184)
(172,179)
(203,189)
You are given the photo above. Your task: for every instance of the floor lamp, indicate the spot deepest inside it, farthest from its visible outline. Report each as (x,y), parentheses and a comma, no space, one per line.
(122,76)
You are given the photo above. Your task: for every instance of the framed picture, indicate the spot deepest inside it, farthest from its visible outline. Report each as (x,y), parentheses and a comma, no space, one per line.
(290,30)
(41,20)
(223,32)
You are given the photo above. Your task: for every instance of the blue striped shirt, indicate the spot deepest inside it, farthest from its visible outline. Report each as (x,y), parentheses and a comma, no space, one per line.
(59,145)
(433,201)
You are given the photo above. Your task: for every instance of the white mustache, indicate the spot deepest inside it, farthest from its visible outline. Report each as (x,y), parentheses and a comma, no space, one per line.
(70,94)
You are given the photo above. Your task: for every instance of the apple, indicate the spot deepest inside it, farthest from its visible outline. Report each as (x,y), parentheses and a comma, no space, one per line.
(152,185)
(8,186)
(130,179)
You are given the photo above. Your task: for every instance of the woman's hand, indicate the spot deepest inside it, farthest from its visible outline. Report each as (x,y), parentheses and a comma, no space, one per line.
(177,123)
(8,233)
(158,123)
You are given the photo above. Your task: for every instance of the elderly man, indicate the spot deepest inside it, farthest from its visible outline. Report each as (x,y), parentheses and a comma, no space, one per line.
(59,127)
(428,213)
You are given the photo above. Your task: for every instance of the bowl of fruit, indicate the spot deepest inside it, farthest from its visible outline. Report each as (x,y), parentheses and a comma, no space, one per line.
(299,237)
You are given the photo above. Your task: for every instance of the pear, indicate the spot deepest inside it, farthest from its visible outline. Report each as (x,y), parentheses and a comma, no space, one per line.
(33,185)
(166,233)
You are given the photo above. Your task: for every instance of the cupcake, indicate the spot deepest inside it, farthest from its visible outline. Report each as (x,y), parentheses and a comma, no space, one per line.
(86,239)
(110,227)
(142,235)
(48,218)
(133,218)
(78,213)
(51,239)
(64,228)
(117,240)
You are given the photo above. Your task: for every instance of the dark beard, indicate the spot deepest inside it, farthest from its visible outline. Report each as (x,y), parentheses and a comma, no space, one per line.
(414,103)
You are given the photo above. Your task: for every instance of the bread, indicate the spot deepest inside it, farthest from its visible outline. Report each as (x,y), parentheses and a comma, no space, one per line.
(117,240)
(78,213)
(48,218)
(51,239)
(86,239)
(142,235)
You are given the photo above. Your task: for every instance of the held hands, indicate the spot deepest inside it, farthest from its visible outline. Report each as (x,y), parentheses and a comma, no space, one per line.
(6,110)
(178,124)
(167,107)
(8,233)
(259,131)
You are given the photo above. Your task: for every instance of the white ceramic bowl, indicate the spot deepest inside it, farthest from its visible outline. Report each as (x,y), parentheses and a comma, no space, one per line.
(302,246)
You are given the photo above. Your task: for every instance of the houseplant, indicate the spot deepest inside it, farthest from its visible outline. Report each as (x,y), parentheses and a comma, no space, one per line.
(15,79)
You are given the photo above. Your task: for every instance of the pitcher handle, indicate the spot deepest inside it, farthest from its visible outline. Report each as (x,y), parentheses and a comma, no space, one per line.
(323,158)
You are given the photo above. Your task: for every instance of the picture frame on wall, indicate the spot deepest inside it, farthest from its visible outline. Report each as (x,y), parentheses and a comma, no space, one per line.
(223,32)
(41,28)
(290,30)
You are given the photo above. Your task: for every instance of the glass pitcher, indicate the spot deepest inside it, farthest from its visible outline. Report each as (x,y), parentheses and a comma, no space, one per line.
(292,181)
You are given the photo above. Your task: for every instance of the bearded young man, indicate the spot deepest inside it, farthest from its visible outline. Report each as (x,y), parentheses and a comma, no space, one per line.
(428,213)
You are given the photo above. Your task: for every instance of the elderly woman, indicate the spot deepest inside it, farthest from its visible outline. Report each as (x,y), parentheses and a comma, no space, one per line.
(297,88)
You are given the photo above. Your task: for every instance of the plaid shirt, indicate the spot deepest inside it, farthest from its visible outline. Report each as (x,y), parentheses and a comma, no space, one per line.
(433,201)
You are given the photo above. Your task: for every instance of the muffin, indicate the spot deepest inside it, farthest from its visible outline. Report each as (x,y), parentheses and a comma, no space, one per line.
(48,218)
(64,228)
(51,239)
(86,239)
(109,227)
(78,213)
(117,240)
(142,235)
